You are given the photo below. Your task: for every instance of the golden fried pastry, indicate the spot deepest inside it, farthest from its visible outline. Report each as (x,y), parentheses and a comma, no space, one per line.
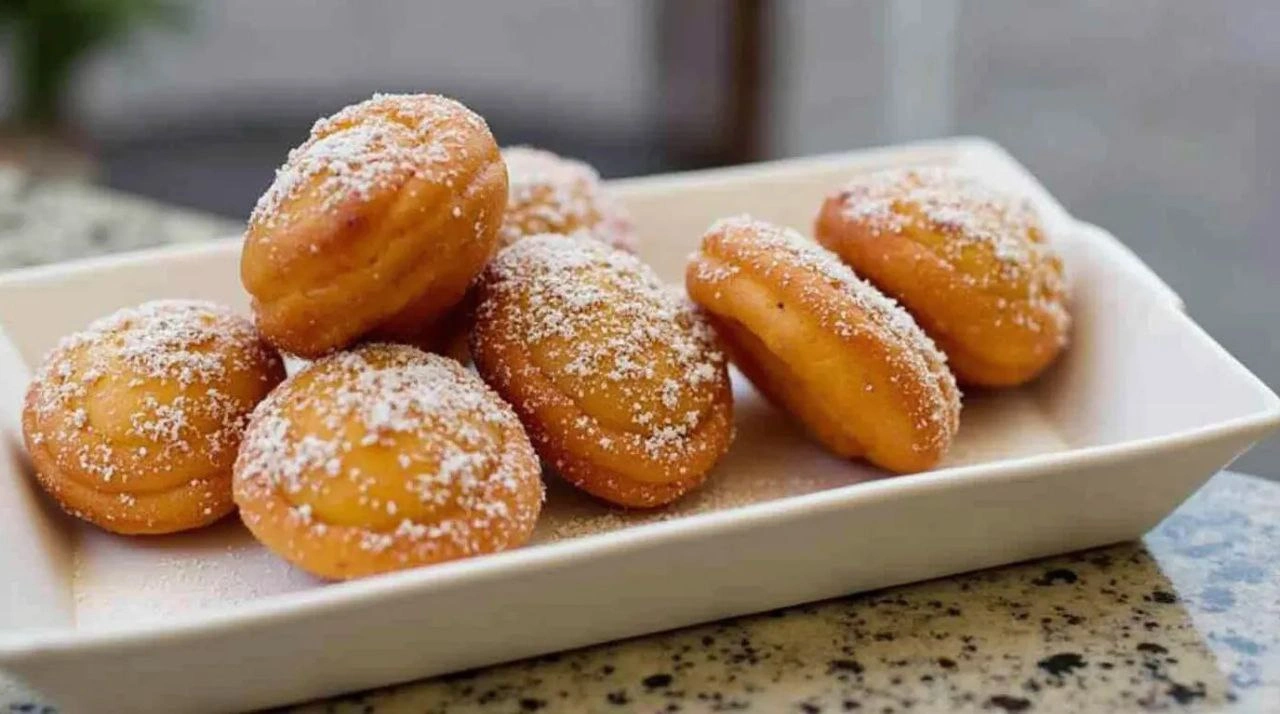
(133,424)
(446,336)
(384,458)
(380,220)
(553,194)
(829,348)
(617,379)
(547,194)
(972,264)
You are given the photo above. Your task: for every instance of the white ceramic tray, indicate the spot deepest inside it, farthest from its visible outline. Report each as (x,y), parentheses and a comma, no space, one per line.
(1140,412)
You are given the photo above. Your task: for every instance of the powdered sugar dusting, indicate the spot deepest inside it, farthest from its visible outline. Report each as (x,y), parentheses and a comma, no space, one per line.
(552,194)
(919,355)
(969,212)
(310,434)
(1008,426)
(610,323)
(948,197)
(370,146)
(174,356)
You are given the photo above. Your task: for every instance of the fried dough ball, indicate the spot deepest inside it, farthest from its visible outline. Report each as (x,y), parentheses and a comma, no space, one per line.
(446,336)
(547,194)
(379,221)
(385,458)
(847,362)
(553,194)
(133,424)
(617,379)
(971,264)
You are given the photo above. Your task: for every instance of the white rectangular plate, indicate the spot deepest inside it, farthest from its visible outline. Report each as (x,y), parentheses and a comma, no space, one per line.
(1139,413)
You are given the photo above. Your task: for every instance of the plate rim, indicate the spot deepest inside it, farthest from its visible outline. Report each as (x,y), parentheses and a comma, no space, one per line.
(22,644)
(25,645)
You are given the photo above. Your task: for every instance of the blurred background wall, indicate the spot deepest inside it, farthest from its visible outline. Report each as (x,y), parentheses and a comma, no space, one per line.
(1154,119)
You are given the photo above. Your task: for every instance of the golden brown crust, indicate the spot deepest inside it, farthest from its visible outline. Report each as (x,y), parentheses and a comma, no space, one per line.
(134,423)
(385,458)
(448,335)
(618,381)
(971,264)
(553,194)
(381,219)
(825,346)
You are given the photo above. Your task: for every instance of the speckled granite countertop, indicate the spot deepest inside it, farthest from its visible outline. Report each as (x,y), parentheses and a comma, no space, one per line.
(1188,619)
(45,221)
